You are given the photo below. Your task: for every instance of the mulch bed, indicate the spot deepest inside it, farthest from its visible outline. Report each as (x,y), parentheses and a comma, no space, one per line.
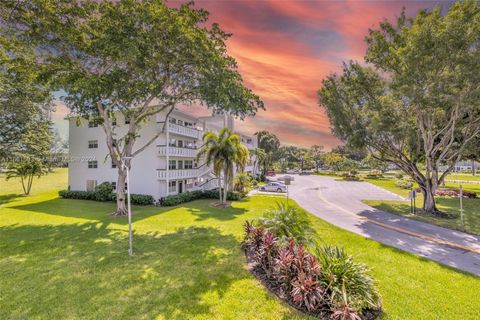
(324,313)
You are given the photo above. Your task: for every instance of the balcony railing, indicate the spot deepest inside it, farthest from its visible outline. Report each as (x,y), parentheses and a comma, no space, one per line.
(171,174)
(176,151)
(184,131)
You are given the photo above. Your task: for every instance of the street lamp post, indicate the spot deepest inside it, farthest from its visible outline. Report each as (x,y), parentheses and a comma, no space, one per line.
(129,208)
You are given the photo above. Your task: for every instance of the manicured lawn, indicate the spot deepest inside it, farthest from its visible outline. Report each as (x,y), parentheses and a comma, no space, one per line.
(463,176)
(451,205)
(68,259)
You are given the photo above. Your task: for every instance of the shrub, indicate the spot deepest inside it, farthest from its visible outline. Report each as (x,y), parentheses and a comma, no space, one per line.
(180,198)
(399,175)
(81,195)
(348,282)
(332,282)
(450,192)
(104,191)
(137,199)
(288,223)
(404,184)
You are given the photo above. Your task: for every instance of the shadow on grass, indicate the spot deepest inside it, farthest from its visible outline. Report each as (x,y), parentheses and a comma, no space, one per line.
(83,271)
(6,198)
(101,211)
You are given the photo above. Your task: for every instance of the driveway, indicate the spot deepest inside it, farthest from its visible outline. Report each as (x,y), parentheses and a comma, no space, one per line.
(340,203)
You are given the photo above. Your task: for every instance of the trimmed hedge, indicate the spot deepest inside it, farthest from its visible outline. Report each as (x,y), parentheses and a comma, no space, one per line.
(404,184)
(177,199)
(137,199)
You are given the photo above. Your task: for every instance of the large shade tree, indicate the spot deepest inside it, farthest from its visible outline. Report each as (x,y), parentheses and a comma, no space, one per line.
(135,58)
(420,104)
(270,144)
(224,152)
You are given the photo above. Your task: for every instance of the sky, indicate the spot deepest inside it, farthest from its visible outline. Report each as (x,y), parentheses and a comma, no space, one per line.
(284,48)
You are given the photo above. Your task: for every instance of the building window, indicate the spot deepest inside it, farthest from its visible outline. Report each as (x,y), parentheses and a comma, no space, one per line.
(180,143)
(114,143)
(180,122)
(126,186)
(93,164)
(114,185)
(188,124)
(92,124)
(172,120)
(114,122)
(188,164)
(172,164)
(92,144)
(172,186)
(91,184)
(189,183)
(127,120)
(173,142)
(180,164)
(249,140)
(113,165)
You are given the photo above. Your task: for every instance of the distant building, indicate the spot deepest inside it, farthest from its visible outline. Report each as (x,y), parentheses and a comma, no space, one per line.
(166,167)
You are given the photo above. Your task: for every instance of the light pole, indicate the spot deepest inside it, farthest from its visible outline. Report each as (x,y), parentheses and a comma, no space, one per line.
(125,167)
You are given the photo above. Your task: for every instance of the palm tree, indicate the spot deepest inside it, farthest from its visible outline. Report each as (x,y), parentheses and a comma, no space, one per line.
(224,151)
(260,158)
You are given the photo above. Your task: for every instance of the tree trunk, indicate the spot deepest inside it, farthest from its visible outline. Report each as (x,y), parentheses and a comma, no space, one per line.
(121,208)
(225,188)
(220,188)
(429,205)
(473,168)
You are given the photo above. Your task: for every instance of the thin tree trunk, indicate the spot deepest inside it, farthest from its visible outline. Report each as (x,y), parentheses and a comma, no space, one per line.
(225,188)
(29,184)
(121,208)
(220,188)
(473,168)
(23,186)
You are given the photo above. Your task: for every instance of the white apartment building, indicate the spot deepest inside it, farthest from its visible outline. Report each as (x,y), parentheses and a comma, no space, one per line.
(166,167)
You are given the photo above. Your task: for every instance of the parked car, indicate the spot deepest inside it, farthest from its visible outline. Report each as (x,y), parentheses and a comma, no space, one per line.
(292,171)
(274,187)
(285,177)
(270,173)
(304,173)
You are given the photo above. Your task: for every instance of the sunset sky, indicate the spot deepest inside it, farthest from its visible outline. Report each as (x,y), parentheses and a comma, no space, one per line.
(285,48)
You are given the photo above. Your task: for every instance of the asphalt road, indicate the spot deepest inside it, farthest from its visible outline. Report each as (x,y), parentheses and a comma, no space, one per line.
(340,203)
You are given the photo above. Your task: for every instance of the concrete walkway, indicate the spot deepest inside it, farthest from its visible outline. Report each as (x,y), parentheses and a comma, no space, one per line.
(339,203)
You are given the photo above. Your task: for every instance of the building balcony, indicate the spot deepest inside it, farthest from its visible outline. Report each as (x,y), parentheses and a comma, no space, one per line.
(184,131)
(173,174)
(177,152)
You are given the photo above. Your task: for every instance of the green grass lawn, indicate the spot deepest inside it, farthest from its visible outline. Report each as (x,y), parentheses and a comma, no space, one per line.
(450,205)
(67,259)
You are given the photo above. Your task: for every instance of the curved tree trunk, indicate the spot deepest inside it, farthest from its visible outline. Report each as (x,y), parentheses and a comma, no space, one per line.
(121,208)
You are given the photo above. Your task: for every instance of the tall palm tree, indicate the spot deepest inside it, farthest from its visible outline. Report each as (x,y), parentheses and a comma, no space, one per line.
(260,157)
(225,152)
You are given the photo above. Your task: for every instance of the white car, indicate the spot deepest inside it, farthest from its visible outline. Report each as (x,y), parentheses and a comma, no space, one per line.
(274,187)
(292,171)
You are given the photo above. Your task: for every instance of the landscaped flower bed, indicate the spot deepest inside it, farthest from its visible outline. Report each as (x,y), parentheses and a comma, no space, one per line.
(327,284)
(448,192)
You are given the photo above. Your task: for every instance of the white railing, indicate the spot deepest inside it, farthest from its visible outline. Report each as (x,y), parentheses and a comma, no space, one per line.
(184,131)
(176,151)
(177,174)
(183,173)
(212,184)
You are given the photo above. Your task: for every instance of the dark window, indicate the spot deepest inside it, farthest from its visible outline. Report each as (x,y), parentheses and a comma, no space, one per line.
(113,165)
(127,120)
(93,144)
(92,164)
(114,185)
(92,124)
(188,164)
(172,164)
(172,120)
(180,164)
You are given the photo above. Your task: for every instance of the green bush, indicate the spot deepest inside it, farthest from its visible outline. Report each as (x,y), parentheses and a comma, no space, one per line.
(288,223)
(404,184)
(137,199)
(180,198)
(81,195)
(348,282)
(104,191)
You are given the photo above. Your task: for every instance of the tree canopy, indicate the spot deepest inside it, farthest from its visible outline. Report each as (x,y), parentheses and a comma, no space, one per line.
(419,99)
